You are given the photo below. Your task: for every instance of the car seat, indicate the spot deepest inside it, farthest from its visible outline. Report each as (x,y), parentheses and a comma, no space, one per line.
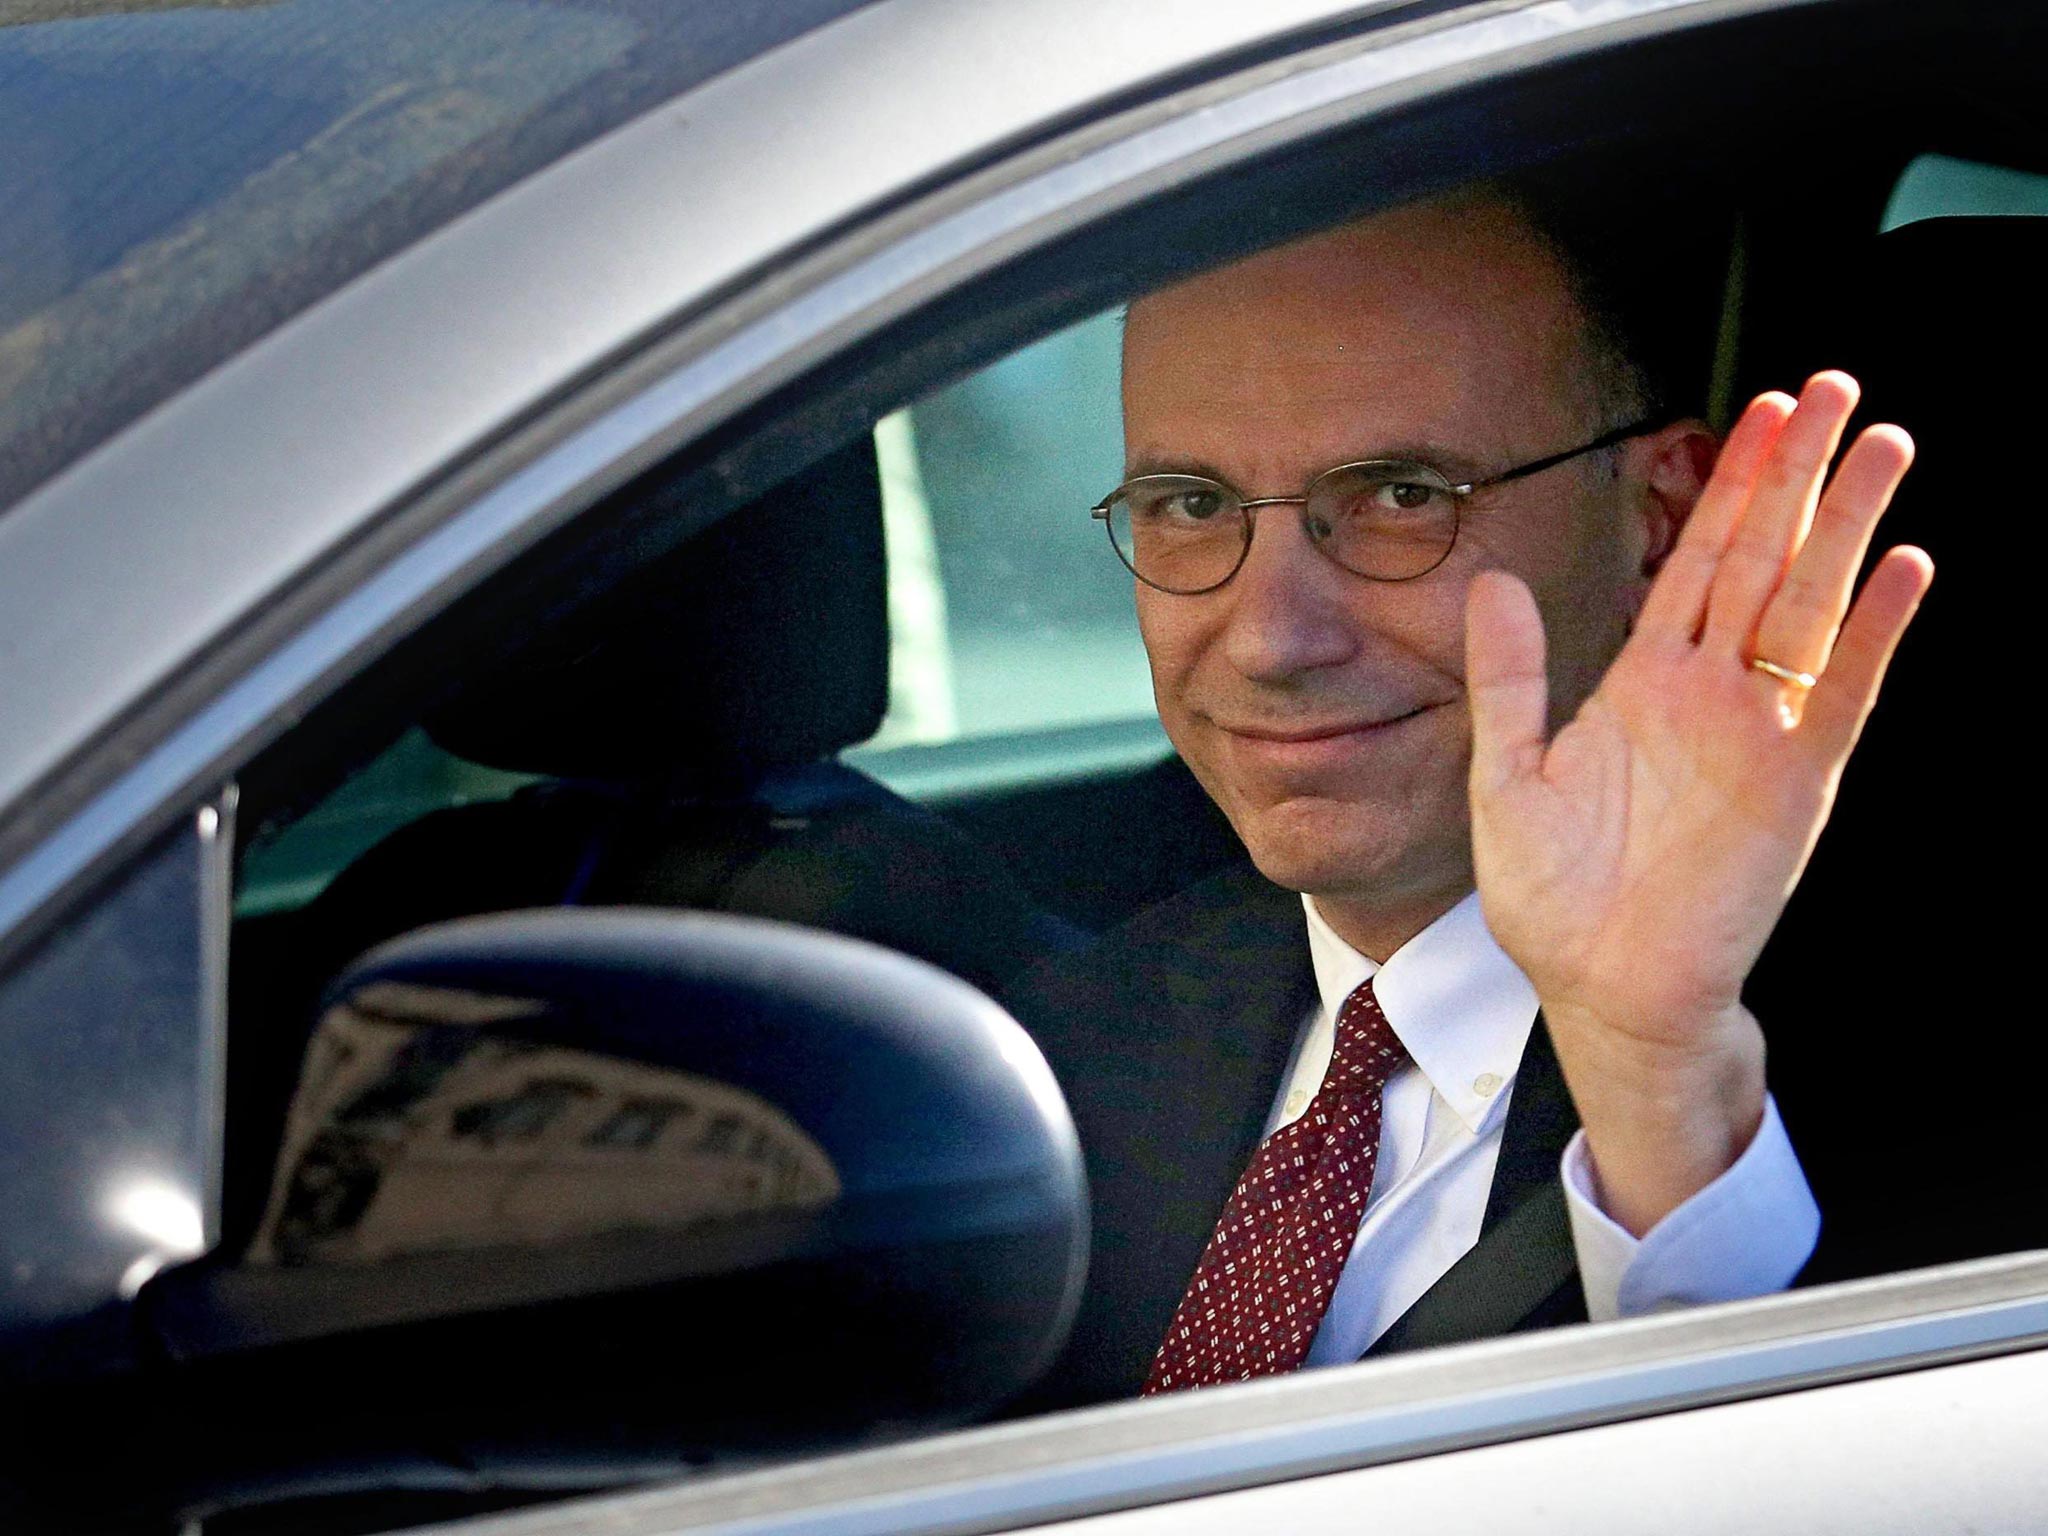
(687,734)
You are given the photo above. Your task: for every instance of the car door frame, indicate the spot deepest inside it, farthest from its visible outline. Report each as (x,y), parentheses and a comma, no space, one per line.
(1153,1451)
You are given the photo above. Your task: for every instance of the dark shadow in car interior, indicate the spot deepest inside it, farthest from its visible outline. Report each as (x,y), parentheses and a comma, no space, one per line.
(1891,974)
(584,661)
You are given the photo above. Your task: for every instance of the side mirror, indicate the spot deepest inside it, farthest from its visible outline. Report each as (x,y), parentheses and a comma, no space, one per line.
(634,1188)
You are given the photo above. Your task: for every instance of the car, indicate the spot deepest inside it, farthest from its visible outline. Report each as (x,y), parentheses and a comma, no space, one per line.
(516,514)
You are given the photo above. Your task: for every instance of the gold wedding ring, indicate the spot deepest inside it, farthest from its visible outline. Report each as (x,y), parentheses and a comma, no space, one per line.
(1801,680)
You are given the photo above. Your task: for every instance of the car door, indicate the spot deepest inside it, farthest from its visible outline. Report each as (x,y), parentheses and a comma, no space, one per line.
(979,255)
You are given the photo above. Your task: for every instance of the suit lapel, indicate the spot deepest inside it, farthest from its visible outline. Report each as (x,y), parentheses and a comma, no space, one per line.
(1187,1102)
(1207,994)
(1222,1049)
(1523,1272)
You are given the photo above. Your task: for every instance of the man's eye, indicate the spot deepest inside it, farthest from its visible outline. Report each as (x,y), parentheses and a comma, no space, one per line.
(1404,496)
(1191,504)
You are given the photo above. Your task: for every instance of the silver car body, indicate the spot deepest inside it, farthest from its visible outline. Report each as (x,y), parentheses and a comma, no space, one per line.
(237,566)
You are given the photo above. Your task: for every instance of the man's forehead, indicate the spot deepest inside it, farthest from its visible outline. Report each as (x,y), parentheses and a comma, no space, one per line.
(1439,260)
(1405,328)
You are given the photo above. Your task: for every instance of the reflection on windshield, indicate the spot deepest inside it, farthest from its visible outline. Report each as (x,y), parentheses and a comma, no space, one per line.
(180,178)
(173,189)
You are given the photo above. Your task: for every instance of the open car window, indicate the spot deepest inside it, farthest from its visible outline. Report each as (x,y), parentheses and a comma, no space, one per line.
(988,647)
(1018,629)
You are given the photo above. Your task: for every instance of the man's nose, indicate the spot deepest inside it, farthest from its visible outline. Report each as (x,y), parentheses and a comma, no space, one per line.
(1292,610)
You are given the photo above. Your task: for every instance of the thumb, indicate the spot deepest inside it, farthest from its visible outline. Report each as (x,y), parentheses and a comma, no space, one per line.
(1504,680)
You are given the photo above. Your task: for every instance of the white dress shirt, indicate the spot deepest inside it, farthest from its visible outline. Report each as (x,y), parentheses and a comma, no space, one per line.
(1464,1011)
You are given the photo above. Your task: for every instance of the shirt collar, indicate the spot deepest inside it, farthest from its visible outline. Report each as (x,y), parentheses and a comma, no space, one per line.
(1461,1007)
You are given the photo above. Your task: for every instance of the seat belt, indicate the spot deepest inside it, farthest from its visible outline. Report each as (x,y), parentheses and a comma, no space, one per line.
(1509,1275)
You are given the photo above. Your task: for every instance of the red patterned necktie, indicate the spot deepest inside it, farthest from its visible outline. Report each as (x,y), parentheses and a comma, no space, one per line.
(1265,1280)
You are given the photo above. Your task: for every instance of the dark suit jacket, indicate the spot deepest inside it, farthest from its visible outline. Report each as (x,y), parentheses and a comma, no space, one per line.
(1169,1039)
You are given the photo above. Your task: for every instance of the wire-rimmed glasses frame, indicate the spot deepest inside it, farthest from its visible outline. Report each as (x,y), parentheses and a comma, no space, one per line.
(1430,545)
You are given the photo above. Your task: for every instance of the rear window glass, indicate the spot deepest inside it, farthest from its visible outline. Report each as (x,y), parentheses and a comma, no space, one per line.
(1008,611)
(178,178)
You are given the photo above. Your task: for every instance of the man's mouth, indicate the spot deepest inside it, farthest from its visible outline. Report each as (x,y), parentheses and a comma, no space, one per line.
(1326,730)
(1292,733)
(1322,744)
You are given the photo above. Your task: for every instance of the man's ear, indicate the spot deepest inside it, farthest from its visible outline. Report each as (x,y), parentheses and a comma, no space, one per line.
(1672,471)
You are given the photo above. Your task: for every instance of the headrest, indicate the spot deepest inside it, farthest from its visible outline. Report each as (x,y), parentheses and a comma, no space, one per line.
(762,643)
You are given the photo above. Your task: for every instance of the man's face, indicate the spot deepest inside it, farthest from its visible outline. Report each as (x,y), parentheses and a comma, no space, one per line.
(1324,712)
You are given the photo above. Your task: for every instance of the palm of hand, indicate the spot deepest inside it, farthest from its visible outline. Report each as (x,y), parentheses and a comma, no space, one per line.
(1634,865)
(1591,866)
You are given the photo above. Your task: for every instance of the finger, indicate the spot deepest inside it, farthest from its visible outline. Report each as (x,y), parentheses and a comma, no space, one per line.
(1841,701)
(1799,623)
(1780,507)
(1504,680)
(1678,597)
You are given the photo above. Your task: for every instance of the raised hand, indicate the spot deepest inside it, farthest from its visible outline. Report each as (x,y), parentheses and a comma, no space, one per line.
(1634,864)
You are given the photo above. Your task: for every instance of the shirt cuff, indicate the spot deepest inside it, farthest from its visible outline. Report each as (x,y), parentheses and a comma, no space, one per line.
(1746,1234)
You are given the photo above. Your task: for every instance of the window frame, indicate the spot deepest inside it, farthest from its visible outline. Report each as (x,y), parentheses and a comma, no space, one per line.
(134,1074)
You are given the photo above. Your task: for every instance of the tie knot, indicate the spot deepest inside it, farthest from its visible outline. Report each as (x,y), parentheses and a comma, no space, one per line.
(1366,1051)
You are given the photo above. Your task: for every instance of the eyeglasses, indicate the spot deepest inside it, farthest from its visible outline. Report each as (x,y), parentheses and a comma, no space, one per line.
(1383,519)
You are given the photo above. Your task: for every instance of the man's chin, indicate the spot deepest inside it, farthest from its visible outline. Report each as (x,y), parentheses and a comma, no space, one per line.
(1305,849)
(1339,849)
(1312,874)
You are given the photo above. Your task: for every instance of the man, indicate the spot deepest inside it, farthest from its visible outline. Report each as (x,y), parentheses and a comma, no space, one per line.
(1582,659)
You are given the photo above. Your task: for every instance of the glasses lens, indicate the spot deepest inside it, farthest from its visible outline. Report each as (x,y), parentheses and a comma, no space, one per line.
(1386,519)
(1178,532)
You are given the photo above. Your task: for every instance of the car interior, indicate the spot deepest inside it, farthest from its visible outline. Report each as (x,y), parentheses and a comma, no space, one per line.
(658,702)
